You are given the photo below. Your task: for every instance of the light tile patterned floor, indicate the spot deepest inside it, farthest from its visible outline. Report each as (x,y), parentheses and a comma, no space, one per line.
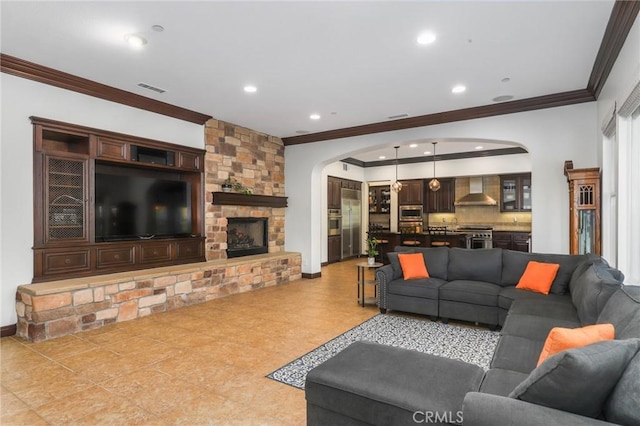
(200,365)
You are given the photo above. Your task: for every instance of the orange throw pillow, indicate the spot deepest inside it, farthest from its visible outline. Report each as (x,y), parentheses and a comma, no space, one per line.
(538,277)
(413,266)
(560,339)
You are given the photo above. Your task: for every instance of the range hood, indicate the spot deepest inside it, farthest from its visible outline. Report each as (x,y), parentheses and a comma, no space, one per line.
(476,196)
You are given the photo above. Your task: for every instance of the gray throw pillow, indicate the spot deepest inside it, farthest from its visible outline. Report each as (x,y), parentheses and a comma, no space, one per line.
(578,380)
(593,289)
(623,406)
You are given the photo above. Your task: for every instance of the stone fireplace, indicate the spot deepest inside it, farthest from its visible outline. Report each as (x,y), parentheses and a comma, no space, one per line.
(247,236)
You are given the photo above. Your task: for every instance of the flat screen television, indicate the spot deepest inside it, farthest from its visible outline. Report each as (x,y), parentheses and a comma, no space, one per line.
(140,204)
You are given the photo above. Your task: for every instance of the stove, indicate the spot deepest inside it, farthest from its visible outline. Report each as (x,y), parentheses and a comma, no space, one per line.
(478,236)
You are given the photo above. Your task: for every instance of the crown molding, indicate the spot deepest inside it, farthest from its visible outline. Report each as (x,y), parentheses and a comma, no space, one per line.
(32,71)
(530,104)
(440,157)
(622,17)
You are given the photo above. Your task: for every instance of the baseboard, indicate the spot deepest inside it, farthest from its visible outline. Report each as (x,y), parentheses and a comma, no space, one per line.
(324,264)
(312,276)
(8,330)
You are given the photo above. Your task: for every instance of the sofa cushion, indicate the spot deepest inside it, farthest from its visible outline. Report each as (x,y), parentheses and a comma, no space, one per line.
(437,259)
(517,353)
(578,380)
(623,311)
(593,289)
(395,262)
(622,407)
(583,266)
(378,384)
(514,263)
(475,265)
(538,277)
(474,292)
(413,266)
(501,382)
(560,338)
(509,294)
(534,326)
(426,287)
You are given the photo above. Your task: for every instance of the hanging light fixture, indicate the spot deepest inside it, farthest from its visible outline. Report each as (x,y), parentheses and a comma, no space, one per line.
(434,184)
(397,186)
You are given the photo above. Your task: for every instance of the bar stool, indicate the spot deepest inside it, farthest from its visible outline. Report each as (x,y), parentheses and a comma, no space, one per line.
(409,237)
(376,230)
(438,236)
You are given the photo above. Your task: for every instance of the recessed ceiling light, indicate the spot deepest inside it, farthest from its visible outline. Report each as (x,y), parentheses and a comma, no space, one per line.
(479,147)
(135,40)
(426,38)
(250,89)
(413,145)
(382,157)
(458,89)
(315,116)
(427,152)
(502,98)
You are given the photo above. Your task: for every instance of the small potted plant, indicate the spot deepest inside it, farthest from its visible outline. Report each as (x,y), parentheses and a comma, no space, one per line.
(227,186)
(372,244)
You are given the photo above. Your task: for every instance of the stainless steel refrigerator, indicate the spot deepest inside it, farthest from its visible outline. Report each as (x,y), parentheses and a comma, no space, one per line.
(351,222)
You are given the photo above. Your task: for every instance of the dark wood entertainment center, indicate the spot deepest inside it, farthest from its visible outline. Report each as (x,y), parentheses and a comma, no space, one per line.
(65,158)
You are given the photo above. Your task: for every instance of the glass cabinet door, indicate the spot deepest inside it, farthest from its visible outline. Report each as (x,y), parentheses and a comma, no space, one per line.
(586,231)
(509,196)
(525,191)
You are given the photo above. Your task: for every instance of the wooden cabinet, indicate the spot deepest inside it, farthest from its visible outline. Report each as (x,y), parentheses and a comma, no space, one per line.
(441,201)
(515,193)
(334,249)
(333,193)
(380,199)
(518,241)
(411,192)
(584,209)
(65,245)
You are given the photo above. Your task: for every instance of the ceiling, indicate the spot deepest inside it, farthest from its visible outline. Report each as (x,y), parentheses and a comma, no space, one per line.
(353,63)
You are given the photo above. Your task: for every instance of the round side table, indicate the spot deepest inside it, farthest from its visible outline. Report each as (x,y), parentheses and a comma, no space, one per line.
(362,280)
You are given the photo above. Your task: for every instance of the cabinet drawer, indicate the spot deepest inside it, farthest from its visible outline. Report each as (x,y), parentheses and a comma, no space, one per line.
(108,257)
(56,262)
(189,161)
(155,253)
(190,249)
(112,149)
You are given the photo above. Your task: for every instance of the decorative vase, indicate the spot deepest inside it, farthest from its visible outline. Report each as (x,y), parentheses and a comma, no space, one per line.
(371,260)
(226,188)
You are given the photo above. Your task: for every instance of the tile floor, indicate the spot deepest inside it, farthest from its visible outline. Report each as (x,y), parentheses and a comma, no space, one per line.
(200,365)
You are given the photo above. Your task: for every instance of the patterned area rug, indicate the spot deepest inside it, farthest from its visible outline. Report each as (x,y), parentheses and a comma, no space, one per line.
(472,345)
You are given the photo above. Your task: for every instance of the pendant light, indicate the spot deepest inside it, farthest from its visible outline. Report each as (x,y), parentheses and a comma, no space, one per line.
(397,186)
(434,184)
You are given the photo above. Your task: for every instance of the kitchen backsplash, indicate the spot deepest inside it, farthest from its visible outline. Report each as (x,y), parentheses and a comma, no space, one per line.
(482,215)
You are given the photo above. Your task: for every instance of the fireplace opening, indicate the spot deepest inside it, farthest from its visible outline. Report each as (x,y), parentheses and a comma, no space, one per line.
(247,236)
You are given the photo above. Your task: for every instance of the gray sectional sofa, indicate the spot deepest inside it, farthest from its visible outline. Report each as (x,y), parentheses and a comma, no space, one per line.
(368,383)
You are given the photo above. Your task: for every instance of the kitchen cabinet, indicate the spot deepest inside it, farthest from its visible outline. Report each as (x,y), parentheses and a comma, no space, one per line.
(509,240)
(334,248)
(333,192)
(379,199)
(411,192)
(515,193)
(584,209)
(441,201)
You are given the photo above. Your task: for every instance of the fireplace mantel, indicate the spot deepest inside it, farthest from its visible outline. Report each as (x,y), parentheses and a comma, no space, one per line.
(235,199)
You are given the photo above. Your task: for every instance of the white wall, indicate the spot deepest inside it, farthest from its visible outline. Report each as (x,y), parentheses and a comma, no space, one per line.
(551,136)
(21,99)
(620,245)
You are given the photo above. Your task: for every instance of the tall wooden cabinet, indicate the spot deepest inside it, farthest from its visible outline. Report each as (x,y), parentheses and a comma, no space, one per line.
(65,243)
(411,192)
(584,209)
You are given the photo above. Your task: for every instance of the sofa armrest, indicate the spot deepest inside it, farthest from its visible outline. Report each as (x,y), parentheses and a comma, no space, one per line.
(384,275)
(481,409)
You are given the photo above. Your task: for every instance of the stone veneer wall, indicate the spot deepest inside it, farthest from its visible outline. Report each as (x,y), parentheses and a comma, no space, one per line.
(254,159)
(58,308)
